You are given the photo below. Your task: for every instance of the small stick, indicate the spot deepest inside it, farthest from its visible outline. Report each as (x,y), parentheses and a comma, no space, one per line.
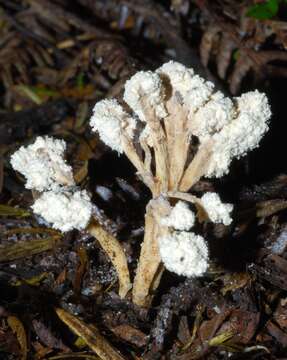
(115,253)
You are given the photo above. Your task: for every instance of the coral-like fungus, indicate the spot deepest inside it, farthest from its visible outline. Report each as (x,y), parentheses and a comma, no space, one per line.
(179,129)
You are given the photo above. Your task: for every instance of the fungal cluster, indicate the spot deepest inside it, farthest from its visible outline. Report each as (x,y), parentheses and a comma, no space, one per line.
(46,171)
(175,128)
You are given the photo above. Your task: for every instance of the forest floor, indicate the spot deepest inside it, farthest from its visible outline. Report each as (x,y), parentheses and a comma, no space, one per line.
(57,58)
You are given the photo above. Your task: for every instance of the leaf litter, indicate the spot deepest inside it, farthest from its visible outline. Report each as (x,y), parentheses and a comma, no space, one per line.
(56,61)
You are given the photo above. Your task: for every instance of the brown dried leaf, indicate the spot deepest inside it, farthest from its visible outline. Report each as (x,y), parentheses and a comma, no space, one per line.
(270,207)
(74,355)
(47,337)
(131,335)
(242,324)
(18,328)
(242,66)
(209,328)
(224,55)
(277,333)
(23,249)
(9,342)
(81,269)
(273,270)
(280,315)
(211,34)
(234,281)
(91,336)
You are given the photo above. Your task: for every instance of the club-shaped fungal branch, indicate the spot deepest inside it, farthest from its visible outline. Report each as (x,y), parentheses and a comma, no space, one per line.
(176,128)
(61,203)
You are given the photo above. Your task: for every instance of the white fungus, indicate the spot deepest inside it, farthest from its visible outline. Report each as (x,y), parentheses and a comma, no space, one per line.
(215,209)
(180,218)
(212,116)
(242,134)
(105,193)
(65,210)
(178,75)
(108,120)
(194,90)
(43,165)
(184,253)
(148,86)
(280,244)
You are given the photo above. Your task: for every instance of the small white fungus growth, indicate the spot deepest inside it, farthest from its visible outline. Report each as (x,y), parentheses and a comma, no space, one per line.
(105,193)
(108,119)
(242,134)
(180,218)
(194,90)
(179,76)
(215,209)
(43,164)
(212,116)
(280,243)
(145,86)
(184,253)
(64,210)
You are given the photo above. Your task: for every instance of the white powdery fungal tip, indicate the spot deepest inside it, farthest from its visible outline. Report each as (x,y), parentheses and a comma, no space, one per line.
(194,90)
(145,87)
(242,134)
(109,119)
(179,76)
(184,253)
(212,116)
(217,211)
(43,165)
(65,210)
(180,218)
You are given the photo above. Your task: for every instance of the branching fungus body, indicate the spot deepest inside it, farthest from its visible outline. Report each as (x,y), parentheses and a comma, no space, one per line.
(179,129)
(61,203)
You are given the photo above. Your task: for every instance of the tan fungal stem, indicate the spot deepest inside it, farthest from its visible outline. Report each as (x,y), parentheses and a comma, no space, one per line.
(160,148)
(134,158)
(179,141)
(148,262)
(185,197)
(198,166)
(148,272)
(116,254)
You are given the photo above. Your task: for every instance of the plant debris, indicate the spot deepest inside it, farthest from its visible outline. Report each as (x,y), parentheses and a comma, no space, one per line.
(59,292)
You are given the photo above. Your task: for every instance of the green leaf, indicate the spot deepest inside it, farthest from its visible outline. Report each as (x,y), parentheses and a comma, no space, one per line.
(80,80)
(263,11)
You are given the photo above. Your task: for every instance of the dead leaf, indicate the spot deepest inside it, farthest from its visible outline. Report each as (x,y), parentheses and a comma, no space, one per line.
(18,329)
(23,249)
(47,337)
(234,281)
(6,210)
(81,269)
(131,335)
(90,335)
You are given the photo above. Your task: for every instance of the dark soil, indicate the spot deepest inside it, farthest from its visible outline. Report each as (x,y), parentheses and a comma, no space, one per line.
(57,58)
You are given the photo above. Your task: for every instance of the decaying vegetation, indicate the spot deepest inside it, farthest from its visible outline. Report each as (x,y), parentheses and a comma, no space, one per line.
(60,291)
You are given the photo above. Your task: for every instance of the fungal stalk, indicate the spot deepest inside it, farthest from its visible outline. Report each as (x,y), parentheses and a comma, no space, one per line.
(175,128)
